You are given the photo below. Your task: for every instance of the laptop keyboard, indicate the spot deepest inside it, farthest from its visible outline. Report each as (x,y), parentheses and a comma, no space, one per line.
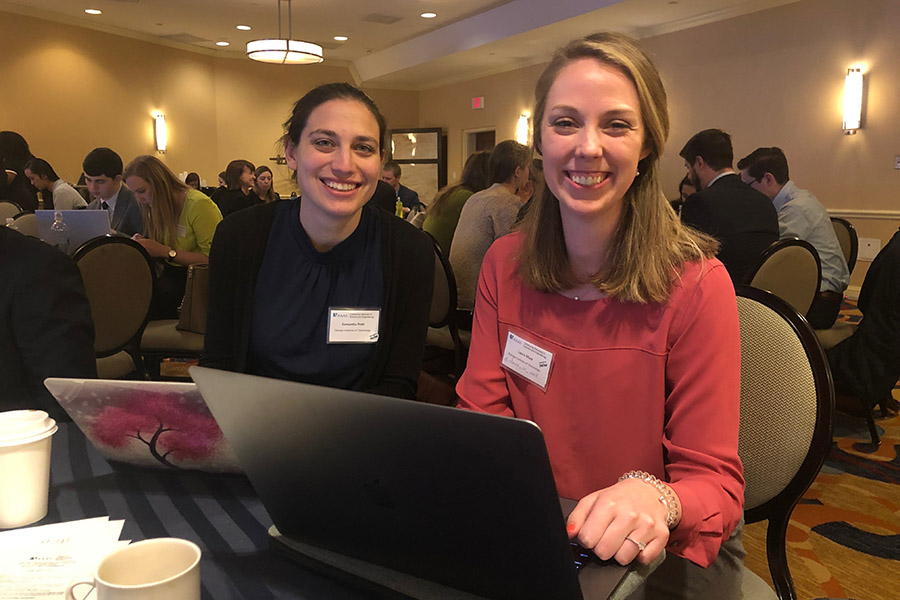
(581,556)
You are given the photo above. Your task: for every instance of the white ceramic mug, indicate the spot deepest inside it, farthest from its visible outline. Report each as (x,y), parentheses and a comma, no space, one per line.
(25,437)
(153,569)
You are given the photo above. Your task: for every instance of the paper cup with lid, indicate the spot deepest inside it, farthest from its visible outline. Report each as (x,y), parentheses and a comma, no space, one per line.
(25,437)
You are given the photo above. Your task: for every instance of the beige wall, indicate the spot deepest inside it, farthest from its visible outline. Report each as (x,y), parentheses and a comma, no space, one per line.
(771,78)
(68,89)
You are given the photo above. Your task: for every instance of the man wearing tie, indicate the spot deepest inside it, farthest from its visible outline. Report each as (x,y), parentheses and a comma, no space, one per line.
(103,176)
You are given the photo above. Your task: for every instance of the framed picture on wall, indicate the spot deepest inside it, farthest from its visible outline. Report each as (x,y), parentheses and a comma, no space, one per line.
(422,156)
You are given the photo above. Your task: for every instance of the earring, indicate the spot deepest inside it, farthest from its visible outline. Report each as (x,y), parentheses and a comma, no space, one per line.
(638,173)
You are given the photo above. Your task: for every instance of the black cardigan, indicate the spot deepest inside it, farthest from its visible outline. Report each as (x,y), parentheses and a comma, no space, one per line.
(408,264)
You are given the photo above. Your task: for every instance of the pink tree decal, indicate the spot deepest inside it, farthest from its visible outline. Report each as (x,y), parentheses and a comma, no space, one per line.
(163,423)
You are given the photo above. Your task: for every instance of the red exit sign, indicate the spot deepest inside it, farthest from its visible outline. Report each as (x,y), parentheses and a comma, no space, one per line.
(478,102)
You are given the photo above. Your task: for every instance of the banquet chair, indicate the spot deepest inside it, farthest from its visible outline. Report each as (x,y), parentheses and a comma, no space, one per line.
(787,411)
(8,210)
(119,283)
(846,235)
(791,270)
(26,224)
(163,339)
(445,345)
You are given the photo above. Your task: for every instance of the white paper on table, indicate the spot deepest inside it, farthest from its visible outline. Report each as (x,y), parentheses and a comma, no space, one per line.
(39,562)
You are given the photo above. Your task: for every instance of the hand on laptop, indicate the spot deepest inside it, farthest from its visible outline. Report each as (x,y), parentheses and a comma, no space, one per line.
(625,521)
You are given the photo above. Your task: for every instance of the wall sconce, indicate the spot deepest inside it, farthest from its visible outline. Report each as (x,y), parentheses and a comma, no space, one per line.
(161,134)
(522,129)
(853,98)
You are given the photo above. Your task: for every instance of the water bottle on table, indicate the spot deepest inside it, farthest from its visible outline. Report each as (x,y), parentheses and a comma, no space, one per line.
(59,233)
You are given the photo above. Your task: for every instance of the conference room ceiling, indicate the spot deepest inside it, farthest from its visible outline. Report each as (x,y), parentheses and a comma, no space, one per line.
(389,44)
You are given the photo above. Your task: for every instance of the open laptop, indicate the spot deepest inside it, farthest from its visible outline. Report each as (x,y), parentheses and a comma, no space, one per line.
(82,225)
(461,499)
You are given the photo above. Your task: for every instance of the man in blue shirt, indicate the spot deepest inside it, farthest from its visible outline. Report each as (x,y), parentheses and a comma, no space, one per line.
(391,175)
(801,215)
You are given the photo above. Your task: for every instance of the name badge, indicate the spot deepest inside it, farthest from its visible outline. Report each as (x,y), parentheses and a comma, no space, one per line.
(180,231)
(528,360)
(353,325)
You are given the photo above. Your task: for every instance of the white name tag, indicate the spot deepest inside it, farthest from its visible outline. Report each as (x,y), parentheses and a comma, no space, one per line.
(528,360)
(353,325)
(180,231)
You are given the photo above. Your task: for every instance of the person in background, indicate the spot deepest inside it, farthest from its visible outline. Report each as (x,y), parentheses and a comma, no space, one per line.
(222,183)
(46,329)
(103,177)
(488,215)
(193,181)
(685,189)
(614,328)
(443,214)
(263,184)
(741,218)
(62,196)
(179,224)
(287,275)
(535,181)
(801,215)
(239,178)
(14,153)
(391,175)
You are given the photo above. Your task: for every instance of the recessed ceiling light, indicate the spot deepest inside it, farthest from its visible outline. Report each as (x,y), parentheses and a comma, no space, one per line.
(341,38)
(93,11)
(243,27)
(222,43)
(428,15)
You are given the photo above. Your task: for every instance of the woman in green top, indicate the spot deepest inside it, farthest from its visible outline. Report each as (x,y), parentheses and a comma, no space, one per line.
(443,214)
(179,224)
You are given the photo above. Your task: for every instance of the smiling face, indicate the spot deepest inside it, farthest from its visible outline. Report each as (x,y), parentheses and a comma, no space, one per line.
(592,138)
(143,190)
(264,181)
(337,159)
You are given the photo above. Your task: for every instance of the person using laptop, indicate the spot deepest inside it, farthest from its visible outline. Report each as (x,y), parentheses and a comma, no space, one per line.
(179,224)
(103,177)
(323,288)
(615,329)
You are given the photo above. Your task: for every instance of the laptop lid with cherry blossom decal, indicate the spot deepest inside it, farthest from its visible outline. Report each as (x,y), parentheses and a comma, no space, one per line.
(147,423)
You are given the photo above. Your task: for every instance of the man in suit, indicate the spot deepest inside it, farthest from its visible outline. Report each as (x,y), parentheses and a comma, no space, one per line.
(801,215)
(740,217)
(103,176)
(391,174)
(46,329)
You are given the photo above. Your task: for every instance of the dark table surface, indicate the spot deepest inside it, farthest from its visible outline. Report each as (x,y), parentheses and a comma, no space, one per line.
(220,513)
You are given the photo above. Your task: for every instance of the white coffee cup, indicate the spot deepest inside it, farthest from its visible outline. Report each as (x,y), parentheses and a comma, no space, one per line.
(25,437)
(161,568)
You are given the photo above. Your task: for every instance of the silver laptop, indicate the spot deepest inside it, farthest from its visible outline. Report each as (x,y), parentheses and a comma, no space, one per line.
(443,496)
(82,225)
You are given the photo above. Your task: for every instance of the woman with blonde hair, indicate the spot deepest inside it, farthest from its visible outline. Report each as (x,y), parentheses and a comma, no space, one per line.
(263,185)
(614,328)
(179,223)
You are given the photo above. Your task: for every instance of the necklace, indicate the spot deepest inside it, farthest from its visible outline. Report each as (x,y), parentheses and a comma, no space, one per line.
(576,297)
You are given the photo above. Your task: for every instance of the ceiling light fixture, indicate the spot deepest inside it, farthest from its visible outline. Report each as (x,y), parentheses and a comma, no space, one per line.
(93,11)
(243,27)
(285,51)
(341,38)
(428,15)
(222,44)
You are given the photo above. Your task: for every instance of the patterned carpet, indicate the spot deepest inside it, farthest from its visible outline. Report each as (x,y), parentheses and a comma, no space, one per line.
(844,536)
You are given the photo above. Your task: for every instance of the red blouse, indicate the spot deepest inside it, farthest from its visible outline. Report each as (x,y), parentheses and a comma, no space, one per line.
(650,387)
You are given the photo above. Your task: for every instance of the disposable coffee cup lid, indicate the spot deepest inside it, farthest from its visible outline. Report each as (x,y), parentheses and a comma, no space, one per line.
(24,426)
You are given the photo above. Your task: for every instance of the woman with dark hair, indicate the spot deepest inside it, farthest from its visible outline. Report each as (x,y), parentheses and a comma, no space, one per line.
(614,328)
(443,214)
(239,194)
(192,181)
(685,189)
(263,184)
(14,185)
(179,223)
(324,288)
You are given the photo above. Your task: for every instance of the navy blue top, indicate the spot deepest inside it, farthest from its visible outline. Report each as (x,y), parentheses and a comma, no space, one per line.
(294,290)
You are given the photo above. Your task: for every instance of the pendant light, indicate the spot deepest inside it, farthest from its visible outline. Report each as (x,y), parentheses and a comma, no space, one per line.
(285,51)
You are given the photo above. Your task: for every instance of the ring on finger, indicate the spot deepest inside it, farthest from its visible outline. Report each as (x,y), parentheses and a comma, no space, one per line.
(640,545)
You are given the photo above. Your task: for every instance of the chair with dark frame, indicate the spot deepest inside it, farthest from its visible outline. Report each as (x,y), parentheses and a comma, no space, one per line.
(791,270)
(847,238)
(787,412)
(8,210)
(119,282)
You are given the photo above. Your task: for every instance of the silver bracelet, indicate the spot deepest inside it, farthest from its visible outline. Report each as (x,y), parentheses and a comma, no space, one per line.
(666,495)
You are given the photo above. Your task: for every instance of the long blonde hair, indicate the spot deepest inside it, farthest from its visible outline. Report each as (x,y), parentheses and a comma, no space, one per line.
(161,216)
(650,245)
